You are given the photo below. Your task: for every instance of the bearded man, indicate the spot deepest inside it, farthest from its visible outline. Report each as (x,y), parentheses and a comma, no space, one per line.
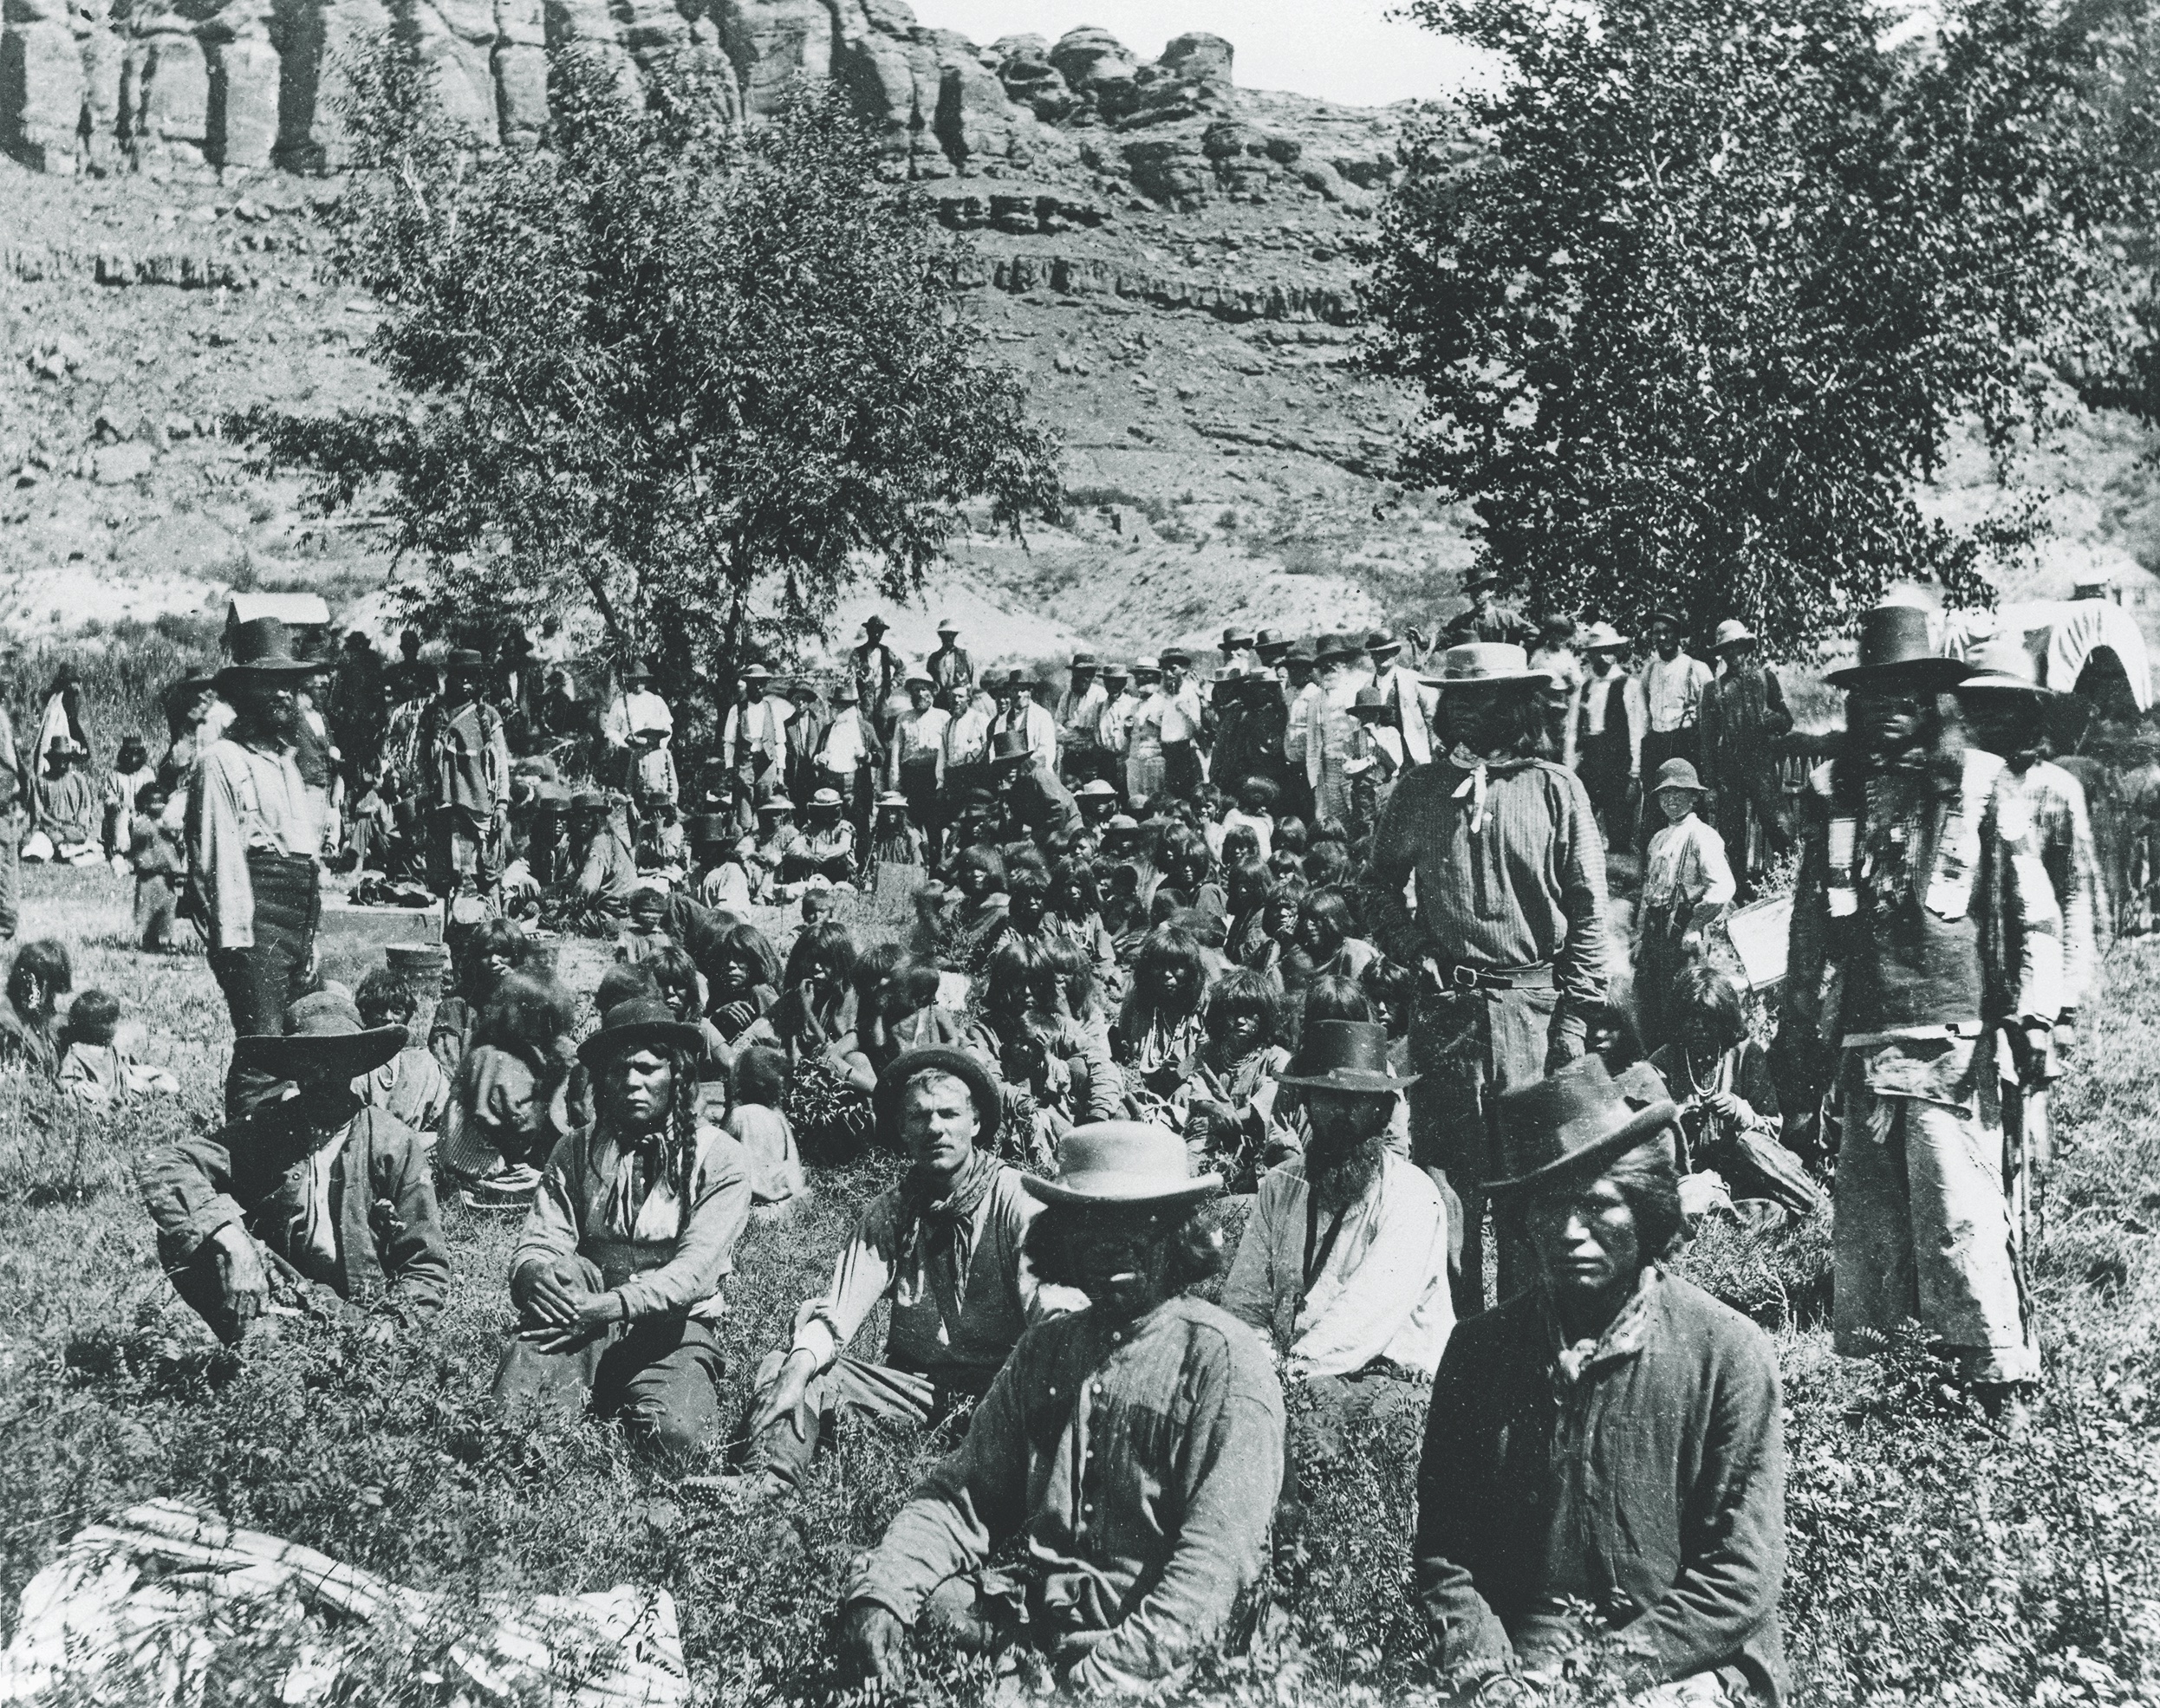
(1507,938)
(1343,1264)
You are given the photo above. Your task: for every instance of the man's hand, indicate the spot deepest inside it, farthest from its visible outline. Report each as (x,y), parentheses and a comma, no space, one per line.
(786,1401)
(1726,1107)
(736,1016)
(873,1644)
(549,1302)
(247,1284)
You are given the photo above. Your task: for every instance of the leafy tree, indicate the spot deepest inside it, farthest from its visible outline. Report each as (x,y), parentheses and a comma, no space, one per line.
(701,377)
(1698,292)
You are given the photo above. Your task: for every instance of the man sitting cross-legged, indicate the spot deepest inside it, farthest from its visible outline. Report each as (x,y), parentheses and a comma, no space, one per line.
(1136,1445)
(1343,1262)
(945,1246)
(1612,1437)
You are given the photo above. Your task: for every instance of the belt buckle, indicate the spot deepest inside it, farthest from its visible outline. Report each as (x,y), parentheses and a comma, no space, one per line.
(1463,979)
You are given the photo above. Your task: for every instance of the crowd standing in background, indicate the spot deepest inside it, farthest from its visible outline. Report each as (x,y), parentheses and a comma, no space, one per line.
(1324,925)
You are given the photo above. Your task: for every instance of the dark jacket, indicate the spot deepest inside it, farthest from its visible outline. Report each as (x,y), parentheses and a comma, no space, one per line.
(255,1171)
(1656,1492)
(1043,808)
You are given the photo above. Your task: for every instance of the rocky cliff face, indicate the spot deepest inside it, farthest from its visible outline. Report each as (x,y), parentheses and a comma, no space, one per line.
(167,85)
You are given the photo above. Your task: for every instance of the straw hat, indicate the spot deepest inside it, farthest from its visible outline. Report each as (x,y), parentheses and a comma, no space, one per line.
(1479,663)
(1123,1162)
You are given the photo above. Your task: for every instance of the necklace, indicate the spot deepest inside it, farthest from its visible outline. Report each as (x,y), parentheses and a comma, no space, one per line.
(1696,1089)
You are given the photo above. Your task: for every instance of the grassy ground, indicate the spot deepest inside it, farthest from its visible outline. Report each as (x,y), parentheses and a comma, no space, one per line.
(1929,1561)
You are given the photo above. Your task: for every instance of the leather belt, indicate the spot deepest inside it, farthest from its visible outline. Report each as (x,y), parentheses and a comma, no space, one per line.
(1463,979)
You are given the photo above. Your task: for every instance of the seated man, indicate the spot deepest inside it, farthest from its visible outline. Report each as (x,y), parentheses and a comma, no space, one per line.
(777,838)
(1138,1445)
(1343,1262)
(1612,1436)
(411,1085)
(944,1245)
(1041,808)
(69,813)
(617,1272)
(825,848)
(336,1192)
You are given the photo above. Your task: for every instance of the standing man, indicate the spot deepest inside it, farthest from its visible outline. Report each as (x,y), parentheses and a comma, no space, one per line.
(1238,648)
(1507,939)
(1185,727)
(359,706)
(1555,656)
(1019,714)
(1488,619)
(468,778)
(950,669)
(877,669)
(1609,724)
(851,757)
(1113,726)
(1922,886)
(635,720)
(915,763)
(253,846)
(1672,702)
(1079,713)
(754,746)
(1743,719)
(1403,695)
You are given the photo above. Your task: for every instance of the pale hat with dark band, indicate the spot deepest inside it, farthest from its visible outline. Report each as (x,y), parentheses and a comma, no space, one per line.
(1123,1163)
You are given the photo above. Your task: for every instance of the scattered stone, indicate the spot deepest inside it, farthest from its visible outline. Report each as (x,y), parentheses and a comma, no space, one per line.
(117,464)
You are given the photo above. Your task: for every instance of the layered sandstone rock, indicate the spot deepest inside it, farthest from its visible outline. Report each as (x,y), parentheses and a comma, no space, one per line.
(175,85)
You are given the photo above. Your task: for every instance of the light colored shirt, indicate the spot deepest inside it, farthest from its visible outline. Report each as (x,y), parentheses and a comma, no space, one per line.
(759,728)
(641,1249)
(629,714)
(1596,699)
(244,798)
(968,1337)
(1113,728)
(1407,694)
(1673,692)
(1687,867)
(1037,725)
(1178,715)
(1080,716)
(1380,1290)
(918,734)
(844,748)
(967,737)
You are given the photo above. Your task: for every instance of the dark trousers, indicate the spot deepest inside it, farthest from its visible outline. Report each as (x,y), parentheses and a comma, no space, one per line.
(261,983)
(660,1378)
(1181,776)
(1470,1046)
(919,783)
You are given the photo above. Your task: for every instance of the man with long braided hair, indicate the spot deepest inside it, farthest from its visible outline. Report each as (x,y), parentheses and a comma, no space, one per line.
(617,1272)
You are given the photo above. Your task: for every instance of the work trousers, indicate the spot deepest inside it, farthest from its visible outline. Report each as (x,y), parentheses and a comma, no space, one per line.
(1922,1231)
(919,783)
(660,1378)
(853,1386)
(261,982)
(462,852)
(1468,1047)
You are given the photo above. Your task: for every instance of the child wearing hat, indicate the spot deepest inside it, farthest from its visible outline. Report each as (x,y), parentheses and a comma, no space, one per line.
(1687,886)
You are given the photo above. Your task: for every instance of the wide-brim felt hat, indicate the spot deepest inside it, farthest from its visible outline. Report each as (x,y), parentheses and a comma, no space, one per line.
(643,1022)
(1345,1055)
(1237,640)
(261,648)
(1570,1125)
(323,1032)
(776,803)
(1123,1163)
(1676,774)
(1009,747)
(1270,640)
(876,622)
(827,798)
(1732,632)
(1603,638)
(909,1064)
(2003,667)
(1370,700)
(918,678)
(1336,647)
(1897,645)
(1478,663)
(1670,618)
(1117,672)
(1178,656)
(1085,661)
(755,673)
(1383,640)
(1095,789)
(846,694)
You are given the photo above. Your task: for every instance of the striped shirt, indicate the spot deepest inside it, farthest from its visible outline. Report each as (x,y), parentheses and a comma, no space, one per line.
(1140,1460)
(1527,888)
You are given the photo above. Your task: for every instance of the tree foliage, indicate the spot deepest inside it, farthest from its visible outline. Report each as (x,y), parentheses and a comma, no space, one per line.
(702,378)
(1698,292)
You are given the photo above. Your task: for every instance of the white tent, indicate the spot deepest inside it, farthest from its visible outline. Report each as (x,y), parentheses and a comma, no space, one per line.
(2062,635)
